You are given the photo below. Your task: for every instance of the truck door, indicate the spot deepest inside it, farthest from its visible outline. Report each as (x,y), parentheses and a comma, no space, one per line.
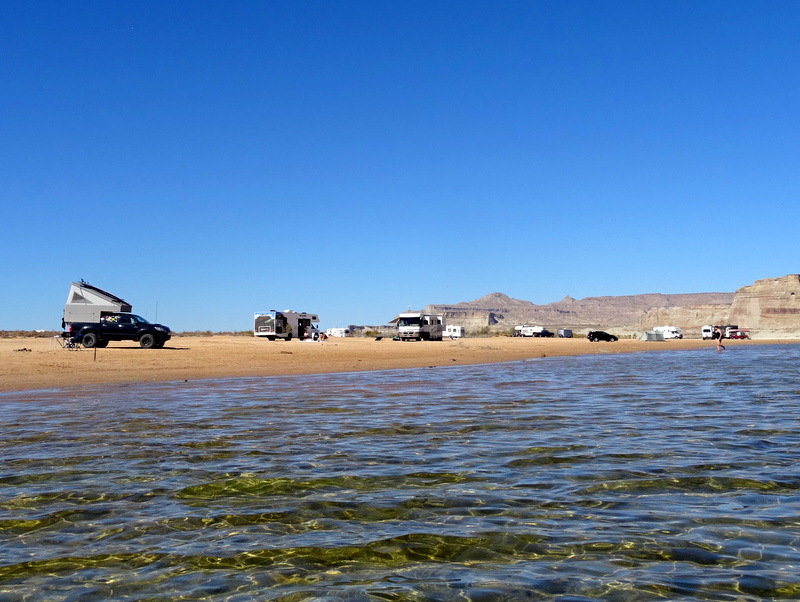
(302,328)
(127,326)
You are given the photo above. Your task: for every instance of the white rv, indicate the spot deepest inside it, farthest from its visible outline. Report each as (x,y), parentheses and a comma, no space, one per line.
(420,326)
(531,331)
(453,331)
(669,332)
(338,332)
(285,325)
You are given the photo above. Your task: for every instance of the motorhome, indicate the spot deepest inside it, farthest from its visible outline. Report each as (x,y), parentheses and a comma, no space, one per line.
(707,332)
(669,332)
(453,331)
(285,325)
(420,326)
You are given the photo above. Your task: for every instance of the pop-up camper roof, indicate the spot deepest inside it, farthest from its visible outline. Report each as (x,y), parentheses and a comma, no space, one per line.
(85,302)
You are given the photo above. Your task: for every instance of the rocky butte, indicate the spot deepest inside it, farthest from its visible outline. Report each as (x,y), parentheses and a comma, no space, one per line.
(769,307)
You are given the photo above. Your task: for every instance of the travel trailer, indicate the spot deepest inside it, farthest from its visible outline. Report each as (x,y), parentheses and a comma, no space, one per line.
(453,331)
(531,331)
(669,332)
(338,332)
(285,325)
(707,331)
(420,326)
(729,329)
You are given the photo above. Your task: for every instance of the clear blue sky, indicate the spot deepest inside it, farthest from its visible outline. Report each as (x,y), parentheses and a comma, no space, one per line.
(211,159)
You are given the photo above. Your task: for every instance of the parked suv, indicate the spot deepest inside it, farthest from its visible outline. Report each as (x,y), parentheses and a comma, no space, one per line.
(599,335)
(119,326)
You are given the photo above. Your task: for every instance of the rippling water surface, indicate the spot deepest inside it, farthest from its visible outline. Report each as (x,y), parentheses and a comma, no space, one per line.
(662,475)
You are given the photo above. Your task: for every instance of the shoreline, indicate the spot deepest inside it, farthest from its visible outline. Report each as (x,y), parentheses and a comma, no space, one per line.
(32,363)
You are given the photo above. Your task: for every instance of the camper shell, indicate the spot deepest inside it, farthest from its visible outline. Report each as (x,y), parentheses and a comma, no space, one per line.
(286,325)
(420,326)
(94,317)
(86,303)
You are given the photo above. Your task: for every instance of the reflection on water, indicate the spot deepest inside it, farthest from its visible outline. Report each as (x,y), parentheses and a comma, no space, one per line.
(663,475)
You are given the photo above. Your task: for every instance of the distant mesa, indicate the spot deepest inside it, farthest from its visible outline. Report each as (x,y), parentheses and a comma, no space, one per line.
(769,307)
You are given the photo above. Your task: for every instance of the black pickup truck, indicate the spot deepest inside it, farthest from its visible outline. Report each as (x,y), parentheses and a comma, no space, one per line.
(118,327)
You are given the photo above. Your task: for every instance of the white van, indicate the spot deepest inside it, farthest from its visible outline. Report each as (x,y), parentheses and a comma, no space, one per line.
(707,332)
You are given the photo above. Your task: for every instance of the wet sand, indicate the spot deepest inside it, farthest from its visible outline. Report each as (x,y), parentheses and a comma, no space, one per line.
(40,363)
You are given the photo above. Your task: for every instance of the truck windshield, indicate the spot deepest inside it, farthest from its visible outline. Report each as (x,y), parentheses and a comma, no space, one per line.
(409,322)
(139,319)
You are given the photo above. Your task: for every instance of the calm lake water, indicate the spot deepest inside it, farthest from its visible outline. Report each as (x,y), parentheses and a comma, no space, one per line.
(665,475)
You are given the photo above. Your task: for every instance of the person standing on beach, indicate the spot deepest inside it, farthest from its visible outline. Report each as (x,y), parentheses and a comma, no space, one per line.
(719,336)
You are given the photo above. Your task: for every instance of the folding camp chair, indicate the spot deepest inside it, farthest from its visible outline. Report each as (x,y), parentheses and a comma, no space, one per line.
(66,341)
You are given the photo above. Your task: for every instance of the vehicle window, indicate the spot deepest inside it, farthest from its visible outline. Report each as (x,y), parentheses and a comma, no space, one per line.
(409,322)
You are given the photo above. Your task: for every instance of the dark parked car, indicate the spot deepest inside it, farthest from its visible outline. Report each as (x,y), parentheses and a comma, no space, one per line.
(118,326)
(599,335)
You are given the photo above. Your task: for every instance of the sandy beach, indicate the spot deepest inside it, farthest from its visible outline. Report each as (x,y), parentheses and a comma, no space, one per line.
(40,363)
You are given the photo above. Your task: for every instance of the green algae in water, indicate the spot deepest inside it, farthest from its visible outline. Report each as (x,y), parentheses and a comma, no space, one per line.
(529,480)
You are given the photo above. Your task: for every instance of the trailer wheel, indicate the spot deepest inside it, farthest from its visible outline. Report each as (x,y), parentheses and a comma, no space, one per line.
(147,341)
(289,337)
(89,340)
(270,338)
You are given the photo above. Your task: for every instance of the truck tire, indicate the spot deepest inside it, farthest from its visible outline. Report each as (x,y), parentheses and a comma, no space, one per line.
(147,341)
(102,343)
(89,340)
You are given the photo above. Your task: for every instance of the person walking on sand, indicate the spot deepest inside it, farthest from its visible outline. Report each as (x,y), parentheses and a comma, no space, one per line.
(719,336)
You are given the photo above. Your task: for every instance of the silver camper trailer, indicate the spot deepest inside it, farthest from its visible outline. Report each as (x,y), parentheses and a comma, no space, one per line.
(286,325)
(85,303)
